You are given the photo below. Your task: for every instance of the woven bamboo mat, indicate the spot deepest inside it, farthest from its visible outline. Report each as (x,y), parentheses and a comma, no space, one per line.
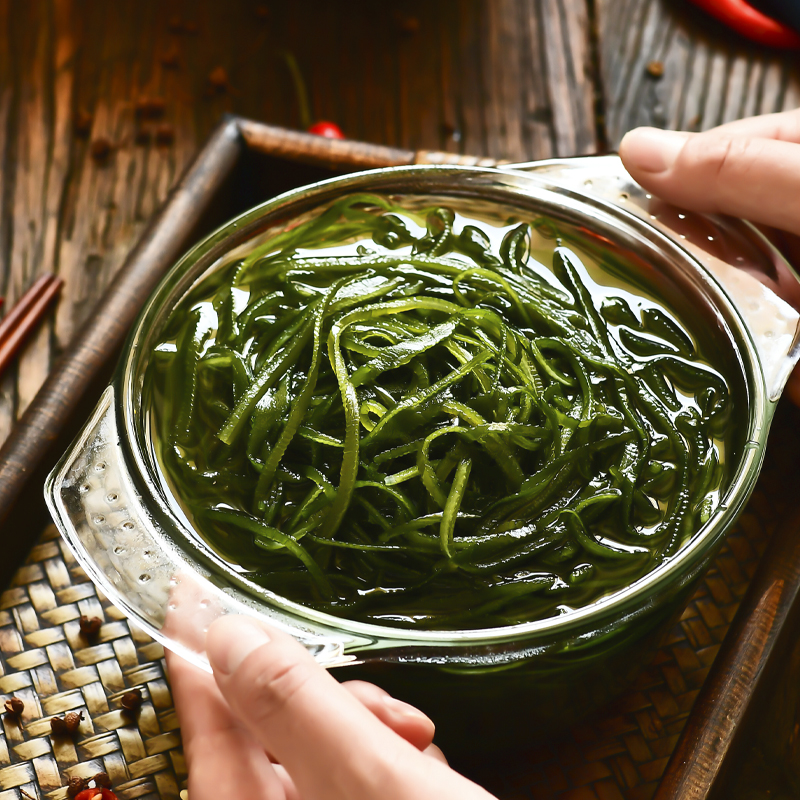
(49,664)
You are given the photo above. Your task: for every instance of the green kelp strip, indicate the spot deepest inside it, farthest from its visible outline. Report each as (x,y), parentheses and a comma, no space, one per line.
(419,430)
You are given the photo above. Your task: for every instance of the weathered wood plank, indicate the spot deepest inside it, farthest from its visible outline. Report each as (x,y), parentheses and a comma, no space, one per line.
(710,75)
(504,78)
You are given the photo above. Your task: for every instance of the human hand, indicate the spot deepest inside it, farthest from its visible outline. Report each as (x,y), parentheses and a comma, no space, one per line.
(274,725)
(749,168)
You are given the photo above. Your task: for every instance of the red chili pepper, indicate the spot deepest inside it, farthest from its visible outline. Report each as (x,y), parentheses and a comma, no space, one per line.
(750,22)
(328,129)
(100,794)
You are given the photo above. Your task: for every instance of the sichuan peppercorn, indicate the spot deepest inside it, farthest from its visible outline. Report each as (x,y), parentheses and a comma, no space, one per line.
(165,134)
(101,149)
(132,701)
(102,781)
(14,706)
(72,721)
(75,786)
(90,626)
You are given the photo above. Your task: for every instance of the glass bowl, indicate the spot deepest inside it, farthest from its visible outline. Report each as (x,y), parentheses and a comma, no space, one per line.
(488,687)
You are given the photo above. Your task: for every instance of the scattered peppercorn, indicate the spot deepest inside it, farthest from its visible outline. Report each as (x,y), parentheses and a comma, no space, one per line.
(100,150)
(190,27)
(75,786)
(132,701)
(90,626)
(58,727)
(72,721)
(82,123)
(655,69)
(143,135)
(14,706)
(170,58)
(406,25)
(175,24)
(262,12)
(165,134)
(102,781)
(150,107)
(218,79)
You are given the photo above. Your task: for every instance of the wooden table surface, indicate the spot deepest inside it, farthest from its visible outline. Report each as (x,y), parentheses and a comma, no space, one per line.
(516,79)
(85,163)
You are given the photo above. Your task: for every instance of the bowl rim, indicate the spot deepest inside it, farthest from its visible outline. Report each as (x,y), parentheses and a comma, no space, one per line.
(628,602)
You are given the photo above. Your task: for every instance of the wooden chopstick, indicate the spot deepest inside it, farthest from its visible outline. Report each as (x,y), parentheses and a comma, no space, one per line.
(25,315)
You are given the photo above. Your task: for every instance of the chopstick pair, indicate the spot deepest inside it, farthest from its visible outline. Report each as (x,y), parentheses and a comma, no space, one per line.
(25,315)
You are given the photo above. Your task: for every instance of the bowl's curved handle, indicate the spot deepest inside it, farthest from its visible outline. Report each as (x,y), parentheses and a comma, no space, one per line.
(101,516)
(742,260)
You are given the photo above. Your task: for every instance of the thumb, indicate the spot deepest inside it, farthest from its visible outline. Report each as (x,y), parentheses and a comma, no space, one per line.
(719,171)
(330,744)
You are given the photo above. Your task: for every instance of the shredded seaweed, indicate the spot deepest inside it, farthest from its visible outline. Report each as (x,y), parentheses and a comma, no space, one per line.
(414,428)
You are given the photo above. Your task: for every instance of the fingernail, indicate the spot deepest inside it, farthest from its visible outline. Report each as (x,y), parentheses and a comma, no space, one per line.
(230,640)
(651,149)
(404,709)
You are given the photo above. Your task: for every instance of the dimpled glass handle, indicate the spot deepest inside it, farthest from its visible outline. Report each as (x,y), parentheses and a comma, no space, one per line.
(118,543)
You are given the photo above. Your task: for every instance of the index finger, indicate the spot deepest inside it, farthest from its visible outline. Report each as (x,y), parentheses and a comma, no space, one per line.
(745,176)
(783,126)
(221,755)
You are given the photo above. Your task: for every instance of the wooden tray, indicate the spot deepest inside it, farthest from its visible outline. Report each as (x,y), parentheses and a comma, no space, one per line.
(623,753)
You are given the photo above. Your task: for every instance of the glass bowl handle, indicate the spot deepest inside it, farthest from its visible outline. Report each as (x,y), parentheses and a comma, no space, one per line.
(101,516)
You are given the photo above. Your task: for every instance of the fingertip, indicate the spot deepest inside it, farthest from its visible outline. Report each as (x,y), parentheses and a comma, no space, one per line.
(231,639)
(651,150)
(404,719)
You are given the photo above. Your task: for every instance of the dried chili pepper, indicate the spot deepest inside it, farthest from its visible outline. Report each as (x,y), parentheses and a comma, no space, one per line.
(330,130)
(750,22)
(96,794)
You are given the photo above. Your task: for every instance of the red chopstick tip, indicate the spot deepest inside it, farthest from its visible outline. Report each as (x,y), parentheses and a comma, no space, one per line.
(25,315)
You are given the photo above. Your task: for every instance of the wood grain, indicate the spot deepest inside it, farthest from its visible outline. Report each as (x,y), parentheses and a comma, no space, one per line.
(505,79)
(710,76)
(709,744)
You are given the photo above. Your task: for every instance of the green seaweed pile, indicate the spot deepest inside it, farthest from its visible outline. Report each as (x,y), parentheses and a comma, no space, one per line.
(379,414)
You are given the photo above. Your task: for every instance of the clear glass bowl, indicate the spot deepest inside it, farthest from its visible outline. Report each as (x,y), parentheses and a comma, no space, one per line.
(504,685)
